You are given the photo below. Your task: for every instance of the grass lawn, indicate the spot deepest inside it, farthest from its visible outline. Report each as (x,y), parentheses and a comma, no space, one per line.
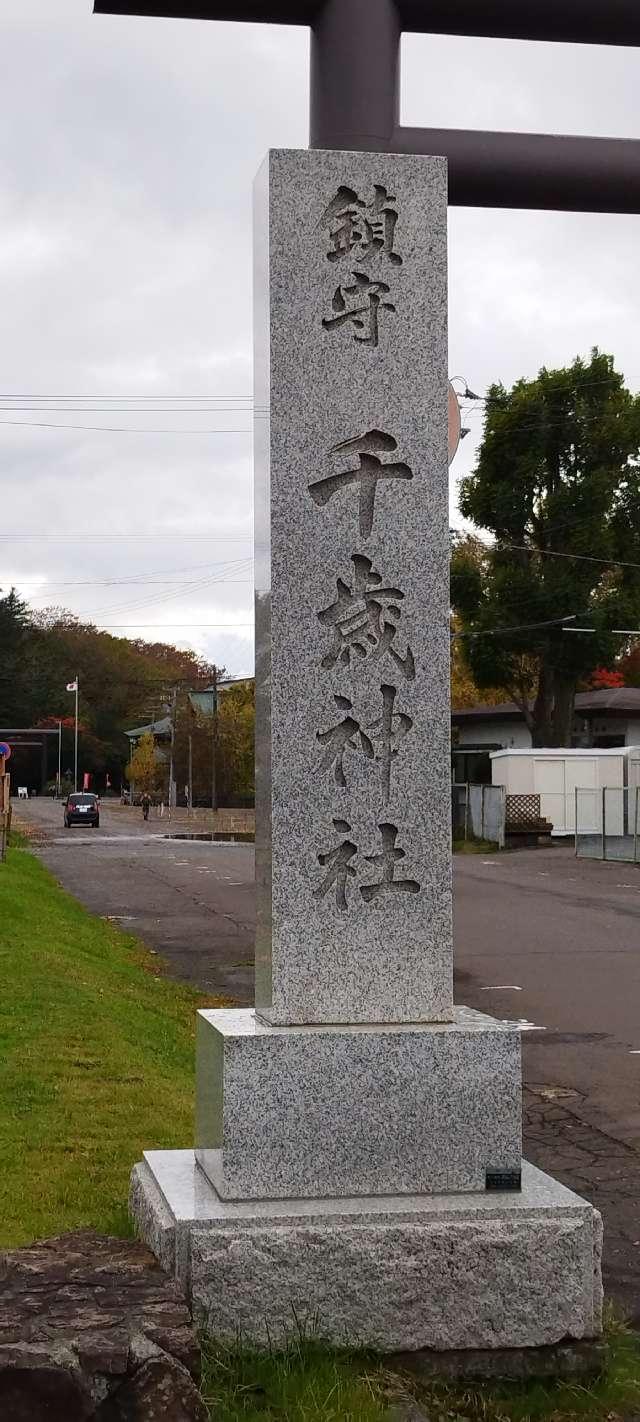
(307,1383)
(96,1059)
(474,846)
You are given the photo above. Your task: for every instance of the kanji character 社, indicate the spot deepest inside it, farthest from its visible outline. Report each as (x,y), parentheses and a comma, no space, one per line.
(367,473)
(364,620)
(387,860)
(339,867)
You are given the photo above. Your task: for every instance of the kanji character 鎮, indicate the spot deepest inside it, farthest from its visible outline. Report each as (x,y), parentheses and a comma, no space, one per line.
(350,227)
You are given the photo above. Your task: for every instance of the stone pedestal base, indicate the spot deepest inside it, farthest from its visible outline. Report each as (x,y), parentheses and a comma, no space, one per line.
(315,1112)
(515,1270)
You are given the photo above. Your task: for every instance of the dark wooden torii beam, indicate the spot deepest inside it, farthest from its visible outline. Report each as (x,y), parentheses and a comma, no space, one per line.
(355,90)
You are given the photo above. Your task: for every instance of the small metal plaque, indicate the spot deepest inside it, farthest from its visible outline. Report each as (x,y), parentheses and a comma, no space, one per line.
(504,1180)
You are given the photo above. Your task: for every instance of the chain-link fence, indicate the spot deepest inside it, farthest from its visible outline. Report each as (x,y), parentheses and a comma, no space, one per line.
(608,823)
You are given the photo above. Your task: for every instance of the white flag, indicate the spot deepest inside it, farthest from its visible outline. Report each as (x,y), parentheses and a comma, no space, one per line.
(72,685)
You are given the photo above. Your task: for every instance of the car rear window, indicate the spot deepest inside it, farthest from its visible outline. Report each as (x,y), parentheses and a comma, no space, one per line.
(82,799)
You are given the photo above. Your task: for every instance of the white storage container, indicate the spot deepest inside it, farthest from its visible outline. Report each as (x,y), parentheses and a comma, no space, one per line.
(555,775)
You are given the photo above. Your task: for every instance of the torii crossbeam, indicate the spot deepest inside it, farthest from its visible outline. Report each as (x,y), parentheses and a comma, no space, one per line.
(355,90)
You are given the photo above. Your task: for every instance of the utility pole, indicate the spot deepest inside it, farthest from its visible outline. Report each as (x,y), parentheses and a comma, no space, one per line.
(59,782)
(172,796)
(214,742)
(75,755)
(190,774)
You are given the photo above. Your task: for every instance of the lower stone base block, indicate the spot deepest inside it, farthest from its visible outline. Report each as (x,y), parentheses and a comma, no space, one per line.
(516,1270)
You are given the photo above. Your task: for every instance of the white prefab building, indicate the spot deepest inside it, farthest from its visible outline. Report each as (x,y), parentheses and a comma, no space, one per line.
(556,776)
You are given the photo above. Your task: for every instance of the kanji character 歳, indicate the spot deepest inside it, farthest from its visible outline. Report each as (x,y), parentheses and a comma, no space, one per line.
(349,227)
(364,620)
(389,730)
(339,867)
(367,473)
(341,738)
(387,861)
(365,316)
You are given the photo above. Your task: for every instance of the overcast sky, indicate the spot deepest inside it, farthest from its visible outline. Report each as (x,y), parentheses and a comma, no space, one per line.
(127,153)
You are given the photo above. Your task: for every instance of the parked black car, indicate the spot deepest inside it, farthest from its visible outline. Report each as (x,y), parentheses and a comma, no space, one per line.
(82,808)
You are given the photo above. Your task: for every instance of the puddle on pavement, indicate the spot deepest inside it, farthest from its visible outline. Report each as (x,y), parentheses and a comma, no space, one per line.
(555,1093)
(217,835)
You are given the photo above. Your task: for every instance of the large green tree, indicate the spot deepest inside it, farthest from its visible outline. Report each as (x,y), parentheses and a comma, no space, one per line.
(557,486)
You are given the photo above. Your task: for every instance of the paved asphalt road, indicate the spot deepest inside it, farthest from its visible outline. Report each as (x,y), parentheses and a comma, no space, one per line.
(540,937)
(191,901)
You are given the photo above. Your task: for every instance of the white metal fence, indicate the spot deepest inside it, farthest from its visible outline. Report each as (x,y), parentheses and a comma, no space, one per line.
(608,823)
(478,812)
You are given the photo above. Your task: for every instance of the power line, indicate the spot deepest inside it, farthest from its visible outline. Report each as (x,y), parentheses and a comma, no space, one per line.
(116,429)
(190,587)
(53,583)
(139,582)
(524,627)
(548,552)
(143,399)
(126,409)
(560,385)
(579,557)
(140,579)
(168,533)
(230,626)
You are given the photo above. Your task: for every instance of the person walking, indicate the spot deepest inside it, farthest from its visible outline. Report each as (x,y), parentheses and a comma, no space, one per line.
(146,805)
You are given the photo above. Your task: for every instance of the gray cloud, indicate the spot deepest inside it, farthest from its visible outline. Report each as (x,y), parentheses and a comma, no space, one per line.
(127,155)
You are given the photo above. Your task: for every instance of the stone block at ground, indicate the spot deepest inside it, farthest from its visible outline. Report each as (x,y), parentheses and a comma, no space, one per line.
(488,1271)
(322,1111)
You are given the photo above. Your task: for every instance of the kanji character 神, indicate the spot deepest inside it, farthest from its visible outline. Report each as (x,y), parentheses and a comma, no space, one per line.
(387,860)
(365,316)
(341,738)
(389,730)
(350,227)
(367,473)
(364,620)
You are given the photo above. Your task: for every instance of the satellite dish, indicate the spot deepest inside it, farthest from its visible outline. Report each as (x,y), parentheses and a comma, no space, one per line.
(454,424)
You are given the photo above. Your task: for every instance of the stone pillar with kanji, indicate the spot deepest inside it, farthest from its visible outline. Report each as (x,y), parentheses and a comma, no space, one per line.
(358,1137)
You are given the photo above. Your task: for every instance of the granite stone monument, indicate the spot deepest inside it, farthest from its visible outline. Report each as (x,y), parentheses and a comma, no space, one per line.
(358,1137)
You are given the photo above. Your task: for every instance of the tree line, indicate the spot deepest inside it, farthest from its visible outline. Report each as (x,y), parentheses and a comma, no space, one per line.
(123,683)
